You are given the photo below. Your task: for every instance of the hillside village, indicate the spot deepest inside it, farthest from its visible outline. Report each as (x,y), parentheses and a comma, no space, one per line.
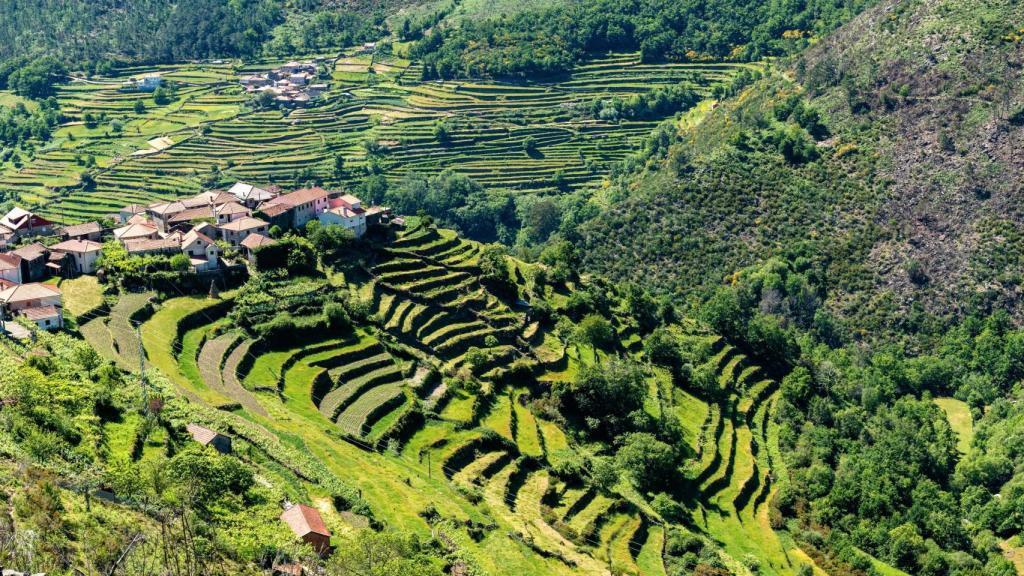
(241,220)
(293,84)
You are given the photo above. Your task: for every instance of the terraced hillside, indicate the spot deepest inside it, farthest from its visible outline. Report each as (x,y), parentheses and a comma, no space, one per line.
(389,399)
(509,137)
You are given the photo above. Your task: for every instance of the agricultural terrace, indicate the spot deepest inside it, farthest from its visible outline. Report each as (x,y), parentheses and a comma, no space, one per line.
(389,398)
(377,115)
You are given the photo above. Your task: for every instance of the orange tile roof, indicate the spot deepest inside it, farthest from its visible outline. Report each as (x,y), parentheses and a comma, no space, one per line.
(253,241)
(77,246)
(201,434)
(26,292)
(244,224)
(80,229)
(40,313)
(304,520)
(300,196)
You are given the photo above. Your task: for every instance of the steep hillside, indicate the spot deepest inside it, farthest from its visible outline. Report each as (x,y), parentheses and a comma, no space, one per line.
(902,195)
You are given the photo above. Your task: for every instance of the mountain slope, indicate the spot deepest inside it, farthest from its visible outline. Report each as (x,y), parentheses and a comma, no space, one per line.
(904,193)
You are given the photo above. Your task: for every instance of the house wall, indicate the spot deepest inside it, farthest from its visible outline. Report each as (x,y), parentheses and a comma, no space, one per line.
(319,542)
(12,275)
(51,323)
(84,262)
(305,212)
(235,238)
(38,303)
(33,270)
(357,224)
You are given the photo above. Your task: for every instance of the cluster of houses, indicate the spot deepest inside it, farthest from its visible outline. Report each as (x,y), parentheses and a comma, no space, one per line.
(197,227)
(292,84)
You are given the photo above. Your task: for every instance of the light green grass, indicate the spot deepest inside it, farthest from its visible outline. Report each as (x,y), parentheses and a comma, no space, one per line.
(959,415)
(81,294)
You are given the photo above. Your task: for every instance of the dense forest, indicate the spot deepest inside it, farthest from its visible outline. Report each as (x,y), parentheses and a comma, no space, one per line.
(95,34)
(529,43)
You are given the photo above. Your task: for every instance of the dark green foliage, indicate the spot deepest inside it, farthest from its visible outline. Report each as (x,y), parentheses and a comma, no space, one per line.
(455,200)
(35,79)
(207,477)
(550,41)
(658,103)
(606,396)
(292,253)
(330,242)
(150,30)
(595,331)
(18,125)
(647,461)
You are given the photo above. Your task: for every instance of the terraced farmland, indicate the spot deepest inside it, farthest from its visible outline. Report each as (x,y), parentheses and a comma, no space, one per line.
(217,138)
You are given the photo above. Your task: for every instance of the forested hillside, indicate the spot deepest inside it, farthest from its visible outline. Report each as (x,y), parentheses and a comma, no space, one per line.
(105,32)
(551,40)
(887,161)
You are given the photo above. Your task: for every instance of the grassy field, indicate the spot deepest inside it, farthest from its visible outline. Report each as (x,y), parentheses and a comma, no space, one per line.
(960,420)
(81,295)
(216,135)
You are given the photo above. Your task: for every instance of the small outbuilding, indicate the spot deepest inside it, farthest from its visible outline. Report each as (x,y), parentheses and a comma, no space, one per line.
(307,524)
(207,437)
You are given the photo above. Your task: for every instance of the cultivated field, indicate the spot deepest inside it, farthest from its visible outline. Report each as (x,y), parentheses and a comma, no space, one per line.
(378,115)
(371,401)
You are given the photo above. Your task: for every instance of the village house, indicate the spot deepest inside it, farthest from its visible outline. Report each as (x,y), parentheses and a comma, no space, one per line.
(254,242)
(6,236)
(189,217)
(207,437)
(166,215)
(39,303)
(250,195)
(10,268)
(33,261)
(230,212)
(128,211)
(203,253)
(295,209)
(22,224)
(136,231)
(145,246)
(236,231)
(87,231)
(347,212)
(307,524)
(83,255)
(143,83)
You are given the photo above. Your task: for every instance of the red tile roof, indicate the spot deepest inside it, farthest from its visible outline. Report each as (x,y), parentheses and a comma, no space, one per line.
(304,520)
(201,434)
(301,196)
(243,224)
(253,241)
(148,245)
(82,229)
(30,252)
(77,246)
(40,313)
(26,292)
(275,210)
